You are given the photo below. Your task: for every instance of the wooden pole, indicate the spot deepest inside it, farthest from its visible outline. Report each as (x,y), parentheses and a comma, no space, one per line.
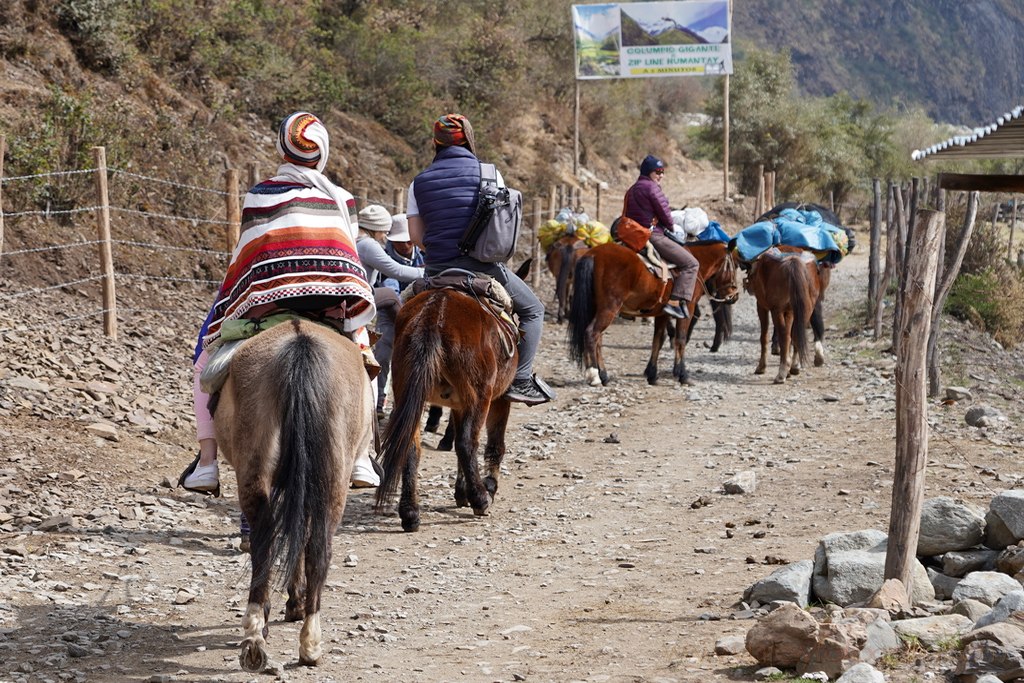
(759,197)
(233,228)
(553,203)
(363,200)
(3,148)
(942,289)
(911,401)
(576,135)
(106,250)
(771,191)
(396,199)
(890,251)
(254,173)
(899,268)
(597,202)
(1009,245)
(875,247)
(535,248)
(725,139)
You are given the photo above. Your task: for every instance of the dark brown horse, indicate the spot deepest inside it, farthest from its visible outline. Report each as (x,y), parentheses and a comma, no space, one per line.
(786,284)
(611,279)
(561,259)
(294,413)
(450,350)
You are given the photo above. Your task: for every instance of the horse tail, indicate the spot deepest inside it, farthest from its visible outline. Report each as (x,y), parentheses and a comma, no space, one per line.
(582,309)
(306,474)
(422,366)
(723,318)
(801,304)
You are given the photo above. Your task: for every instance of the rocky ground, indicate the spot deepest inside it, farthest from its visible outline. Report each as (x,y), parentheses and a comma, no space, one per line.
(611,552)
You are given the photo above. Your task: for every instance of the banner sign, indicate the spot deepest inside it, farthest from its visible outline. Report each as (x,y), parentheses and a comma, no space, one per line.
(648,39)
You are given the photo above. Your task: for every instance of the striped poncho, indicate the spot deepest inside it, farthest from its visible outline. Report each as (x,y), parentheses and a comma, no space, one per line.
(295,241)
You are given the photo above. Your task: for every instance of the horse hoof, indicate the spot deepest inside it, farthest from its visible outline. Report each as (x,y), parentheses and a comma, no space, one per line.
(758,371)
(461,501)
(411,525)
(311,660)
(444,445)
(604,377)
(779,380)
(252,658)
(592,377)
(482,512)
(294,613)
(794,371)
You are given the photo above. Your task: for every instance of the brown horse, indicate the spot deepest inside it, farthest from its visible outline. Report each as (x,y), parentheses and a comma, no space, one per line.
(294,413)
(611,279)
(786,284)
(450,350)
(561,259)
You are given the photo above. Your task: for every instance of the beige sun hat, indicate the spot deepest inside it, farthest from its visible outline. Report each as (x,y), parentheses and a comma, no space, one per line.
(399,228)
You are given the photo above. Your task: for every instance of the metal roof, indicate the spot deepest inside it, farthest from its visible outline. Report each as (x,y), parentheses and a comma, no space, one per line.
(1001,139)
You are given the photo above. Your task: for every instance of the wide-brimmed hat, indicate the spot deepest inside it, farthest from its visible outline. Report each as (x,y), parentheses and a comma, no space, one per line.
(375,217)
(399,228)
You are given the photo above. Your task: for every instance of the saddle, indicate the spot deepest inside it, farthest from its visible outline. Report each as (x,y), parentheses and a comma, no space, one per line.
(654,263)
(488,292)
(234,333)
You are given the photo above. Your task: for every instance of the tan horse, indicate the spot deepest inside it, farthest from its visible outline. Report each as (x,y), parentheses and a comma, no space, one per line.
(295,411)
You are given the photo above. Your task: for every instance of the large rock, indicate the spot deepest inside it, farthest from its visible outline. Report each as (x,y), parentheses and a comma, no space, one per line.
(791,583)
(972,609)
(1009,604)
(850,567)
(986,657)
(964,562)
(862,673)
(1001,633)
(1008,506)
(948,525)
(783,637)
(942,584)
(1011,560)
(997,534)
(836,648)
(934,633)
(986,587)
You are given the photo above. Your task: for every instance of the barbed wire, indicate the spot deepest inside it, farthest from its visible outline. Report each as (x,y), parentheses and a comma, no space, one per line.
(8,179)
(168,247)
(39,290)
(52,323)
(172,183)
(150,214)
(53,247)
(51,212)
(166,278)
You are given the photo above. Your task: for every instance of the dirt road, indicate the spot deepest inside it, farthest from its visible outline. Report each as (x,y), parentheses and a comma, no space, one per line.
(610,554)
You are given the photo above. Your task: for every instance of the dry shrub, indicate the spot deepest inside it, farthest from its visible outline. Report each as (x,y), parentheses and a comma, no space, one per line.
(992,300)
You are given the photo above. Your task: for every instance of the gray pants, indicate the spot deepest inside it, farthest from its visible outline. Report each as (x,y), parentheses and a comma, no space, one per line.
(525,303)
(388,305)
(686,265)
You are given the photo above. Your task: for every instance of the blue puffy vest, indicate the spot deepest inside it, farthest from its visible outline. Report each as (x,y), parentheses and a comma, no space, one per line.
(446,194)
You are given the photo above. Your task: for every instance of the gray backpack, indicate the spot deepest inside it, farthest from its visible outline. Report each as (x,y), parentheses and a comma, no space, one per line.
(494,229)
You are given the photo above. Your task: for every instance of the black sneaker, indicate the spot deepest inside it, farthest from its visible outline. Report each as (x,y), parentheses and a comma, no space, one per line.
(530,391)
(676,311)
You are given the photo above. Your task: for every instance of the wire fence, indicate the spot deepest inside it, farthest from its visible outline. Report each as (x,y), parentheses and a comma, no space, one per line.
(124,253)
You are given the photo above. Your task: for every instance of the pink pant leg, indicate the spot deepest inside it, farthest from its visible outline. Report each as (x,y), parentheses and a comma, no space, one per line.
(201,400)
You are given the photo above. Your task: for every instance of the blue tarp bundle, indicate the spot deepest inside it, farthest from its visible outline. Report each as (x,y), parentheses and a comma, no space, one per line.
(713,233)
(804,229)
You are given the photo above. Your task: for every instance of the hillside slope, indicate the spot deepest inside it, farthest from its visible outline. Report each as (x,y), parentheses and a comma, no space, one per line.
(960,61)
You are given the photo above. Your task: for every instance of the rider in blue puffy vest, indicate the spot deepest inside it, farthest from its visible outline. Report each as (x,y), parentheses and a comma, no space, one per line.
(441,203)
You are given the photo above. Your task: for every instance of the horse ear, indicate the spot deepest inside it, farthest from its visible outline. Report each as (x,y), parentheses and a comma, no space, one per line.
(524,269)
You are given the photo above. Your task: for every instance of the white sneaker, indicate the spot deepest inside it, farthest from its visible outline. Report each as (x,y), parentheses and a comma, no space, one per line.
(203,478)
(363,475)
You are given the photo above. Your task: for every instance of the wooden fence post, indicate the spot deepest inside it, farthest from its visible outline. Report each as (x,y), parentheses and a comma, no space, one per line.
(363,200)
(396,198)
(911,400)
(254,173)
(106,250)
(597,205)
(890,255)
(1009,245)
(535,247)
(759,197)
(3,148)
(944,284)
(233,228)
(875,247)
(553,205)
(899,268)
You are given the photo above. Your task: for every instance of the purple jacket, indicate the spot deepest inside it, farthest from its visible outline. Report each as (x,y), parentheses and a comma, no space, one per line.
(645,201)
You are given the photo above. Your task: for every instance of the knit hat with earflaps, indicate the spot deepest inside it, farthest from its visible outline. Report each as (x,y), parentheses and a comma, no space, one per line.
(650,164)
(375,217)
(302,140)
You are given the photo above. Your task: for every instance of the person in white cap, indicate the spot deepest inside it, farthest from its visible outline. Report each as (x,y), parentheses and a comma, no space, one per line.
(374,225)
(400,247)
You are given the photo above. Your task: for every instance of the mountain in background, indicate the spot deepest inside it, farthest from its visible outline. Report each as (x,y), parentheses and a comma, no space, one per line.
(960,60)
